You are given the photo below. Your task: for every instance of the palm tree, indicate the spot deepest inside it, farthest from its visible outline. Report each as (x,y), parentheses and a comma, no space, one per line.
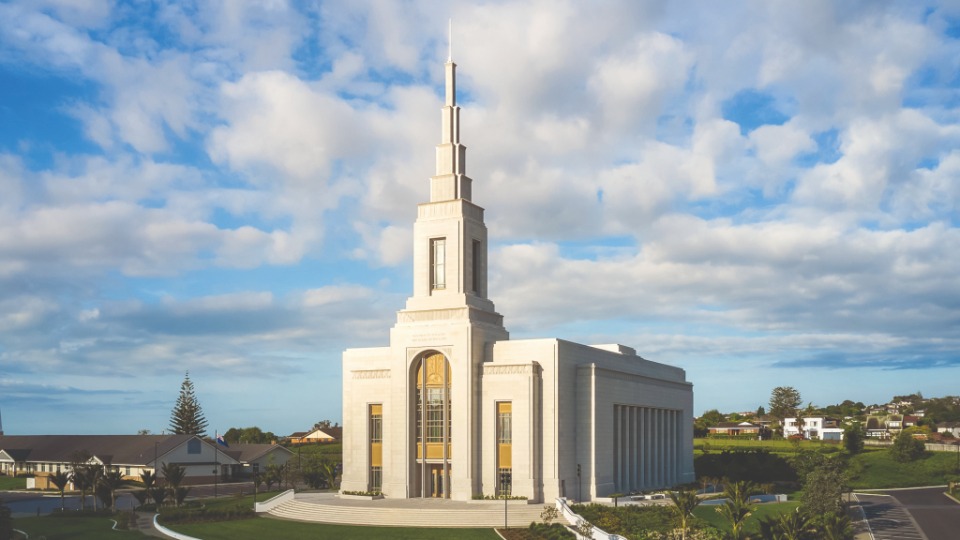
(174,474)
(737,507)
(93,475)
(836,526)
(60,479)
(329,470)
(111,481)
(794,526)
(684,501)
(148,478)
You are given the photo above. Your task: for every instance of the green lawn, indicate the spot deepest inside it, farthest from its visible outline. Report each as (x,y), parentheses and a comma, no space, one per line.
(79,528)
(777,446)
(709,514)
(11,482)
(875,470)
(259,528)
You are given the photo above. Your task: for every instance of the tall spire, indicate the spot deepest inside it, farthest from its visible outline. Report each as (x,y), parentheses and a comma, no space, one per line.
(450,181)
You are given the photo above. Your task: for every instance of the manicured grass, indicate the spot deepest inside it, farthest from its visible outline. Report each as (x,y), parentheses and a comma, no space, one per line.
(331,451)
(12,482)
(761,511)
(875,470)
(73,528)
(259,528)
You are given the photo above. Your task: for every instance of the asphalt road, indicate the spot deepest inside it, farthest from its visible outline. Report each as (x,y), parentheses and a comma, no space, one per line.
(898,514)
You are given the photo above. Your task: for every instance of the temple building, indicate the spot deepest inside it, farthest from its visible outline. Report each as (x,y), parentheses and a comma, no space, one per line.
(453,408)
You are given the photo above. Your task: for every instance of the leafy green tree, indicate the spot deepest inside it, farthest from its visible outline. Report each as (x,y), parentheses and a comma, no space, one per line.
(905,448)
(249,435)
(823,488)
(584,529)
(60,479)
(784,401)
(684,502)
(853,437)
(187,416)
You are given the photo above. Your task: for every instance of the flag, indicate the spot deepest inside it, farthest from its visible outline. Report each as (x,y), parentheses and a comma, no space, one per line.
(222,442)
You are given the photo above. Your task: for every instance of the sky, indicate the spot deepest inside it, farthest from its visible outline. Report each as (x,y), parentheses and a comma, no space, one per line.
(761,193)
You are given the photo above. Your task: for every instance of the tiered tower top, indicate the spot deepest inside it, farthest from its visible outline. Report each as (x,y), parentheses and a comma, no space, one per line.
(450,181)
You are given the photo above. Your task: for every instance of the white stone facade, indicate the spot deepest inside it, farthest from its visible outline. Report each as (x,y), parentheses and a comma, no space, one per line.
(505,416)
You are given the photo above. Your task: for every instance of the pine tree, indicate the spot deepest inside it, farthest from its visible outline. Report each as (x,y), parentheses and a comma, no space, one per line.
(187,416)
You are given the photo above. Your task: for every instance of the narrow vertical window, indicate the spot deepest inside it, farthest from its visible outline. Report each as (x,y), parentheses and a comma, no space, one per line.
(376,447)
(504,448)
(438,254)
(476,267)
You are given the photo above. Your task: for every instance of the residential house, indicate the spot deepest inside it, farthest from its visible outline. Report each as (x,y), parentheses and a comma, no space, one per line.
(253,458)
(321,435)
(735,429)
(44,455)
(813,427)
(952,428)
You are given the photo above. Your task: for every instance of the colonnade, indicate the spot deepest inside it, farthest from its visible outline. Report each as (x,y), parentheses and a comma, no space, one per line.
(646,449)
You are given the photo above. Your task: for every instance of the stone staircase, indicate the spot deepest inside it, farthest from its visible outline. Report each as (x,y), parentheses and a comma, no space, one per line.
(440,515)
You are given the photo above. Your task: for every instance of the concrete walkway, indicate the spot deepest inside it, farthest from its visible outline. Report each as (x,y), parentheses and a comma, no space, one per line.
(145,525)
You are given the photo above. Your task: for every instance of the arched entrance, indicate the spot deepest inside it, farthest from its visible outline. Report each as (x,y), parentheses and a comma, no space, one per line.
(433,425)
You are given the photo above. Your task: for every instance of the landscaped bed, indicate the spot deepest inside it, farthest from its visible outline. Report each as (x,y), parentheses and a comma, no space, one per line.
(260,528)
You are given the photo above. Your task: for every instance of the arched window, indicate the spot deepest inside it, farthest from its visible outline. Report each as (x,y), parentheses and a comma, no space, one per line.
(433,424)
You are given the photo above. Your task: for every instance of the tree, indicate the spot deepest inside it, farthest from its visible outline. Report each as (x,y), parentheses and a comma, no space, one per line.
(325,424)
(684,502)
(174,474)
(549,513)
(853,437)
(187,416)
(905,448)
(250,435)
(148,478)
(784,401)
(788,526)
(60,479)
(836,526)
(761,411)
(584,529)
(112,481)
(737,507)
(823,488)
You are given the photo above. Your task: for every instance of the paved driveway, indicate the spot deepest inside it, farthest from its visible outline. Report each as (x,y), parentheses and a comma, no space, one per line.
(912,514)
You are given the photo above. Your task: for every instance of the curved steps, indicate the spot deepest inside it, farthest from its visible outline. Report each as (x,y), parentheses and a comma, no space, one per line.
(480,517)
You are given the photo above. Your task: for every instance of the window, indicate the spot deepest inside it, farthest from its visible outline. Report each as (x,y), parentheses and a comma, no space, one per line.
(504,482)
(193,446)
(438,255)
(504,448)
(476,267)
(504,424)
(376,478)
(376,423)
(376,447)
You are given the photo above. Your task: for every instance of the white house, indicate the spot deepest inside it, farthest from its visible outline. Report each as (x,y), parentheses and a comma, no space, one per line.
(813,427)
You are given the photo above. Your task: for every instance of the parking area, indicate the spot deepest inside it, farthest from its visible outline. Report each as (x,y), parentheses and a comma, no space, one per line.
(922,513)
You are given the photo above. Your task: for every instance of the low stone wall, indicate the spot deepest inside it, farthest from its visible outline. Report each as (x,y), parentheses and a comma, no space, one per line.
(273,502)
(574,518)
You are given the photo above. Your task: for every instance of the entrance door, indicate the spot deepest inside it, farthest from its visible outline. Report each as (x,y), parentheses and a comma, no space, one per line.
(435,477)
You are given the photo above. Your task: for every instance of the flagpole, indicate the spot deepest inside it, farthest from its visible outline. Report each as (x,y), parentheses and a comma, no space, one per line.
(216,463)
